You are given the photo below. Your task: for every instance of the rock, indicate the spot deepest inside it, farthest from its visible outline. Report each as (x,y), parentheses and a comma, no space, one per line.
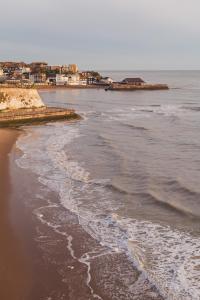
(16,98)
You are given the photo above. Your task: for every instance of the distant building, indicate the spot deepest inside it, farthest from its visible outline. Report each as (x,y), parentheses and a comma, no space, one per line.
(106,80)
(82,80)
(73,68)
(37,77)
(51,78)
(1,72)
(25,70)
(64,69)
(56,69)
(38,67)
(87,77)
(133,81)
(39,64)
(61,79)
(74,79)
(13,81)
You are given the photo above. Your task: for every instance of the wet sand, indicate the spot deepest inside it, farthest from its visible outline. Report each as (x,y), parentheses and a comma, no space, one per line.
(43,262)
(13,275)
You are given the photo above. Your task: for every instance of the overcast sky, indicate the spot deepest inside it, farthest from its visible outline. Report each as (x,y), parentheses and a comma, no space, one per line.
(102,34)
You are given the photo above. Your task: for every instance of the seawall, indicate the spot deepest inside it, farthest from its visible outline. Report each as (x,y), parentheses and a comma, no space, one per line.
(143,87)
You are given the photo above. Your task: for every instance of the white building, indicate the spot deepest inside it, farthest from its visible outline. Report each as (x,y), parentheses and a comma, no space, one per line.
(61,79)
(25,70)
(106,80)
(73,79)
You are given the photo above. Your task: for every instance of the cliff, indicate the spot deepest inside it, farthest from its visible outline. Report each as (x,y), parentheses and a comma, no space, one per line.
(16,98)
(24,106)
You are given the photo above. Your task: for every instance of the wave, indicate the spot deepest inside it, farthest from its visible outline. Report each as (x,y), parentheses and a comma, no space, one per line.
(139,128)
(192,108)
(168,202)
(173,204)
(166,110)
(164,256)
(168,258)
(179,196)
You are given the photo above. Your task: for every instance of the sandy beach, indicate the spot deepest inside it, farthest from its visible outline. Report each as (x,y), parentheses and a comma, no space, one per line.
(13,275)
(40,261)
(27,272)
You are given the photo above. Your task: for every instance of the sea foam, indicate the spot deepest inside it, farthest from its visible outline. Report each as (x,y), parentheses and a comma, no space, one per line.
(168,258)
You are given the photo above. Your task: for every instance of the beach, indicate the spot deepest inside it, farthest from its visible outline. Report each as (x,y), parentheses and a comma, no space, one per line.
(13,274)
(40,260)
(106,207)
(26,271)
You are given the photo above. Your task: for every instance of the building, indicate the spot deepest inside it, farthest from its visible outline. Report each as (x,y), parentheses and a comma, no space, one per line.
(38,67)
(73,68)
(74,79)
(61,79)
(133,81)
(106,80)
(13,81)
(64,69)
(25,70)
(82,80)
(1,72)
(55,69)
(51,79)
(37,77)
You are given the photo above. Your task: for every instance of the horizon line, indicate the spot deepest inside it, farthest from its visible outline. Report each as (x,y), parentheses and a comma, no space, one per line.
(148,70)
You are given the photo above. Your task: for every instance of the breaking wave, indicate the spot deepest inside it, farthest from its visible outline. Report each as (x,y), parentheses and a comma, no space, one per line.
(168,258)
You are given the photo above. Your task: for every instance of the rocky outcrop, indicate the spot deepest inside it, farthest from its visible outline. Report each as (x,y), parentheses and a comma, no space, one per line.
(16,98)
(36,115)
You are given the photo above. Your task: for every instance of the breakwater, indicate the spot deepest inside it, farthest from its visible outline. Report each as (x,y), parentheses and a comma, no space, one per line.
(130,87)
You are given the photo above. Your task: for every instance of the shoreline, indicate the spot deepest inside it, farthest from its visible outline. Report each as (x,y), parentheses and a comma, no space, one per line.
(55,87)
(13,274)
(52,261)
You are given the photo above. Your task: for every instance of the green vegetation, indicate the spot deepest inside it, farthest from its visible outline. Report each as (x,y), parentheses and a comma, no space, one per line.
(96,75)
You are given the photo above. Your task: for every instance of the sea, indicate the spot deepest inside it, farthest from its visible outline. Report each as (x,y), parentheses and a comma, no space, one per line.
(130,172)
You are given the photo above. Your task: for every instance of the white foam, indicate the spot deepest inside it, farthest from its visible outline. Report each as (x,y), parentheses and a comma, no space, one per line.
(171,259)
(165,110)
(168,258)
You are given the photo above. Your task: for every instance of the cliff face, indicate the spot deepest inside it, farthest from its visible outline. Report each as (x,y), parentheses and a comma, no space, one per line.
(15,98)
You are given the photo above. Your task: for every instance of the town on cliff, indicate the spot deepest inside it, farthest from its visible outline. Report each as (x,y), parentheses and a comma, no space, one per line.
(20,102)
(42,75)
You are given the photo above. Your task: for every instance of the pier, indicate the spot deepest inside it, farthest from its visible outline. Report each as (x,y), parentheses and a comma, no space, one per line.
(130,87)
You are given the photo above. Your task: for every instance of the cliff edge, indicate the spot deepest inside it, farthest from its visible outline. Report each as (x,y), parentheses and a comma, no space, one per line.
(16,98)
(24,106)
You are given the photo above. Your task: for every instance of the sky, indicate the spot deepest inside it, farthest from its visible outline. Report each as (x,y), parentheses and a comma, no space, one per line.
(102,34)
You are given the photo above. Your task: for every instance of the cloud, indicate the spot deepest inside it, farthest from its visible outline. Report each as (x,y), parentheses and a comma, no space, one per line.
(103,34)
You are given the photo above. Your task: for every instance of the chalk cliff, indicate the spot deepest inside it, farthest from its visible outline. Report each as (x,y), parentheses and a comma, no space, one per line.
(16,98)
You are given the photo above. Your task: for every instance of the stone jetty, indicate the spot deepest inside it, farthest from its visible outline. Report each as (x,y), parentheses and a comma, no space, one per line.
(22,106)
(130,87)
